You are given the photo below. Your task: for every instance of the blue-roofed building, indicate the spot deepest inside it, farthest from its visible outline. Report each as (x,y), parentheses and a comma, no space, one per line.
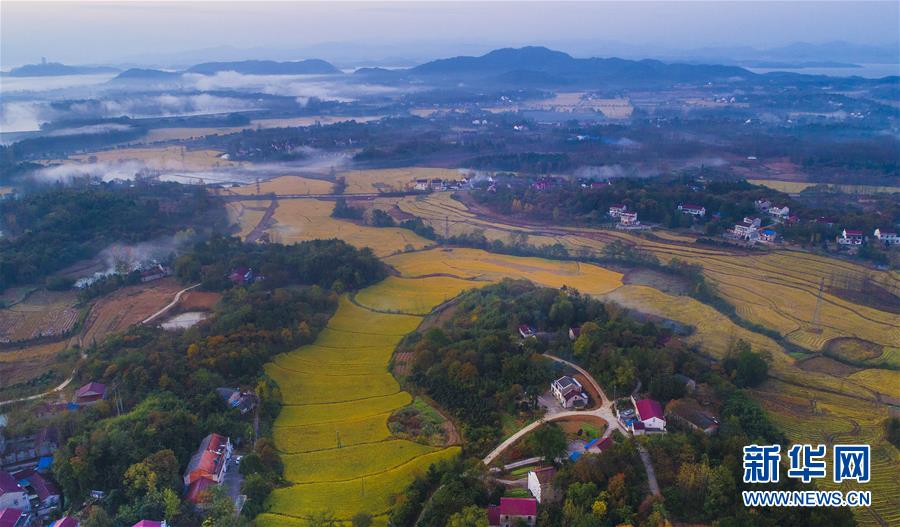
(575,455)
(45,464)
(591,443)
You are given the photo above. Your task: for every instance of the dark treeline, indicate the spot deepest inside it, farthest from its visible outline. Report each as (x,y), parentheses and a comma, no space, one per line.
(327,263)
(47,231)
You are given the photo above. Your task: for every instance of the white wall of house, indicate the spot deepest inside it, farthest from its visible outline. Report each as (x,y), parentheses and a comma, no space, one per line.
(655,423)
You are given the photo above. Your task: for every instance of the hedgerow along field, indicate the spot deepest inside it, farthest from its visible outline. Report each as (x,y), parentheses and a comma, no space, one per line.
(338,394)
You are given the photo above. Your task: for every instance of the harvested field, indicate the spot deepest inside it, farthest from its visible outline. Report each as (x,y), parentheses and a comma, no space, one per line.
(126,307)
(823,364)
(795,187)
(19,367)
(40,315)
(195,300)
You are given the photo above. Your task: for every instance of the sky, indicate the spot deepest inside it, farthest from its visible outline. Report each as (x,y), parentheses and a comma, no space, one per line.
(157,33)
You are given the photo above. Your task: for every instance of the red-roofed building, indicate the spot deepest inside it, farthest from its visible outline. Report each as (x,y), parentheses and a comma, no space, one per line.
(90,393)
(44,489)
(196,490)
(12,495)
(149,523)
(207,466)
(512,509)
(526,331)
(651,414)
(15,518)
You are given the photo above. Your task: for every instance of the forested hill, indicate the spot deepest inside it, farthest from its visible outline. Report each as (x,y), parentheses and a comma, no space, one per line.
(46,231)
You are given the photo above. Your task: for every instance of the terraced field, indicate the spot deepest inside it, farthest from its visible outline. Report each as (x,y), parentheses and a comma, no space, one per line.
(339,455)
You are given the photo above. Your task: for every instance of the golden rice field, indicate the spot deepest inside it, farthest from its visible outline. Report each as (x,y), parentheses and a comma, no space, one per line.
(332,431)
(482,265)
(413,296)
(813,416)
(777,289)
(286,185)
(309,219)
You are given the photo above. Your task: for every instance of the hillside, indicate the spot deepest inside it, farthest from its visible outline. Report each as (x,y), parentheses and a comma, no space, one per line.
(50,69)
(540,62)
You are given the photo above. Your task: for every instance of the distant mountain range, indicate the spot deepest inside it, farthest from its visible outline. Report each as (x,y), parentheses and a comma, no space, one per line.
(539,66)
(53,69)
(245,67)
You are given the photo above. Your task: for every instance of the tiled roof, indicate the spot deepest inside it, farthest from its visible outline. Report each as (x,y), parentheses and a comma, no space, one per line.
(208,459)
(8,483)
(147,523)
(9,517)
(648,408)
(91,388)
(195,490)
(518,506)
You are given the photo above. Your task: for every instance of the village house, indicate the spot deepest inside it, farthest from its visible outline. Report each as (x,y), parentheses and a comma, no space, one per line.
(154,273)
(527,331)
(511,510)
(746,231)
(780,211)
(15,518)
(40,489)
(851,237)
(693,210)
(650,413)
(437,184)
(540,484)
(234,398)
(90,393)
(629,219)
(569,392)
(12,495)
(753,220)
(887,237)
(421,184)
(768,235)
(617,210)
(826,221)
(207,466)
(762,205)
(150,523)
(574,333)
(690,414)
(29,450)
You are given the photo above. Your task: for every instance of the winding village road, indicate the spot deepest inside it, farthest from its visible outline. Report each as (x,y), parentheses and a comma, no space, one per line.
(62,386)
(604,410)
